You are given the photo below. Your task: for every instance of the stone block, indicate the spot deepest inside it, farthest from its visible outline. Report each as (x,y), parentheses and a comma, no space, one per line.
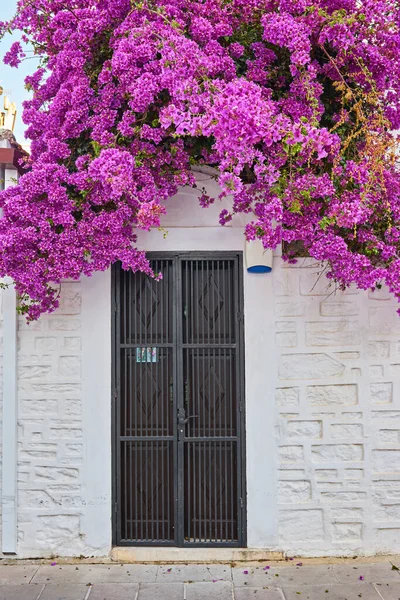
(283,282)
(349,355)
(343,496)
(33,372)
(291,454)
(286,340)
(294,491)
(304,429)
(53,531)
(386,461)
(291,473)
(337,453)
(33,408)
(70,299)
(161,591)
(72,408)
(353,474)
(326,474)
(338,309)
(327,486)
(381,393)
(69,367)
(107,573)
(253,592)
(347,514)
(45,344)
(301,525)
(16,574)
(70,390)
(59,474)
(114,591)
(41,455)
(309,366)
(333,333)
(347,532)
(347,591)
(378,349)
(387,512)
(384,320)
(72,344)
(20,592)
(65,433)
(290,309)
(388,541)
(347,431)
(64,324)
(74,450)
(34,499)
(383,415)
(389,436)
(313,284)
(287,397)
(285,326)
(220,590)
(332,395)
(376,371)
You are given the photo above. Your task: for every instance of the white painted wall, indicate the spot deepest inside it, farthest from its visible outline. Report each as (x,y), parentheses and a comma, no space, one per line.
(322,409)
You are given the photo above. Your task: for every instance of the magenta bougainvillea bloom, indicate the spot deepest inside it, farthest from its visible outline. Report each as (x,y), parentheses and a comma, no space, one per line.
(293,102)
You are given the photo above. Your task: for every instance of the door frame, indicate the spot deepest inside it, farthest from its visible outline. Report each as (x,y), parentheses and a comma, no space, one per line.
(240,361)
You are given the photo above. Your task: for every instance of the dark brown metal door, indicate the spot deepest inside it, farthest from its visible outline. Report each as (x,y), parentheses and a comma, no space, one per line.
(178,411)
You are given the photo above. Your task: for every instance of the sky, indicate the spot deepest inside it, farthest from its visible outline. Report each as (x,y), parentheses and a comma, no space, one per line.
(12,80)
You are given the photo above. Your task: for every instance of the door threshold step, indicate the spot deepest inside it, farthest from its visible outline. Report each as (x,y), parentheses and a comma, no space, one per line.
(123,554)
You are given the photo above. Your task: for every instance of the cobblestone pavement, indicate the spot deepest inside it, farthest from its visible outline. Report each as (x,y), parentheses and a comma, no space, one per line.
(349,580)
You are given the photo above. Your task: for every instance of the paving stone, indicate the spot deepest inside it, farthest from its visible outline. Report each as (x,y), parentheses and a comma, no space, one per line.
(285,575)
(20,592)
(64,591)
(220,590)
(366,591)
(114,591)
(16,574)
(161,591)
(199,573)
(258,593)
(388,591)
(372,572)
(96,574)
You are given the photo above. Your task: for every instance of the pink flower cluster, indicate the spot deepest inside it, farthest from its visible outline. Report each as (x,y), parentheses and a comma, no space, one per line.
(280,96)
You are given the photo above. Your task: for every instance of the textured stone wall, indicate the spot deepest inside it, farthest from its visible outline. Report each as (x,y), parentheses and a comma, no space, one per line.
(333,418)
(338,407)
(50,432)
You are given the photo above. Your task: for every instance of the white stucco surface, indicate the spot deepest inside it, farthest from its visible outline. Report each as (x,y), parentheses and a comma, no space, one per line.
(322,409)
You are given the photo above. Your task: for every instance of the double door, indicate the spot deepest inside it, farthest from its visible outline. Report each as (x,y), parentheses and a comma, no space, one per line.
(178,404)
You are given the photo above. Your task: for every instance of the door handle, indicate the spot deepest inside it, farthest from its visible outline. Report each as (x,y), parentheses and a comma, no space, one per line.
(184,420)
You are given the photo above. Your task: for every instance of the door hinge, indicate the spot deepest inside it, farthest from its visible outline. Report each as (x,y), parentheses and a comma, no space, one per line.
(240,406)
(241,503)
(115,395)
(240,316)
(116,507)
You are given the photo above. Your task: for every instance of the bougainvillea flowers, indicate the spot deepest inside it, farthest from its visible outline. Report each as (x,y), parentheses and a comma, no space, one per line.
(292,102)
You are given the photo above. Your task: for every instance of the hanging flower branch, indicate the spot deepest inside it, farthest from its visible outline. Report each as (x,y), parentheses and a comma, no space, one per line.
(294,102)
